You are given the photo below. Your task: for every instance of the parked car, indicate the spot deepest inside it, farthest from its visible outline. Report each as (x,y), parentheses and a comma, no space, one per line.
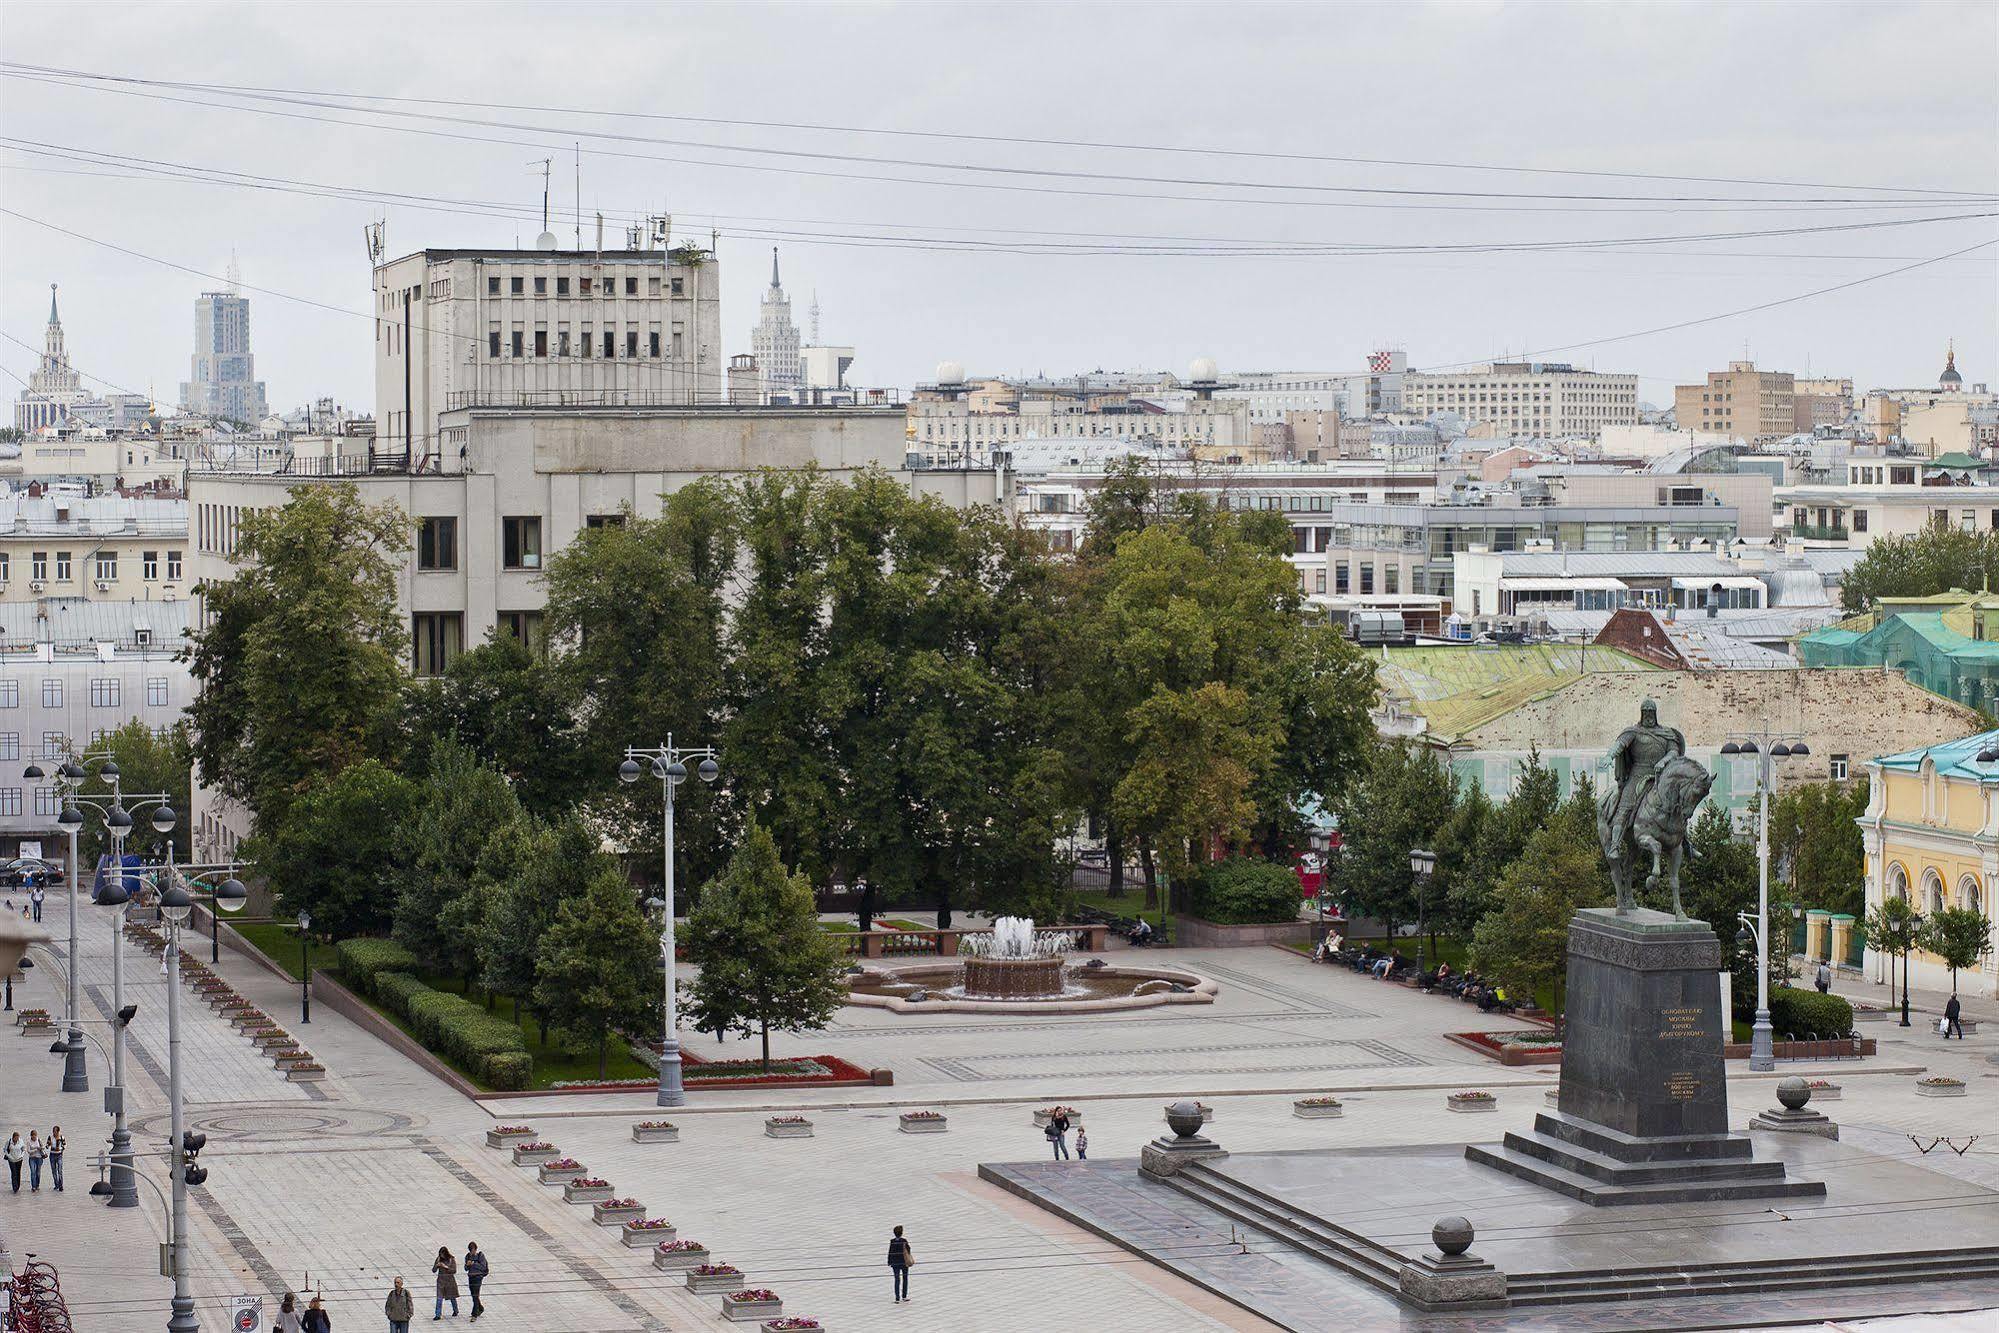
(16,873)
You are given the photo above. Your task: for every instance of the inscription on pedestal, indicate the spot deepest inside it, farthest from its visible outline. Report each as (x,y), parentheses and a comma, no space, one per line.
(1682,1087)
(1681,1022)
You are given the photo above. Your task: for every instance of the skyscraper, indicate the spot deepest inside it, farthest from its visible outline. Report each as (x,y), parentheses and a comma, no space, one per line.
(775,340)
(222,375)
(54,387)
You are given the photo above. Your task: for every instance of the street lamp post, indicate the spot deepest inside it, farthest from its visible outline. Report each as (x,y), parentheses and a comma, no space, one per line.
(1767,746)
(668,764)
(304,968)
(1422,865)
(75,1073)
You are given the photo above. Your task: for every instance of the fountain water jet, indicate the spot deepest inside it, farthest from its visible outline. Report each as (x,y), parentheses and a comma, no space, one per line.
(1013,963)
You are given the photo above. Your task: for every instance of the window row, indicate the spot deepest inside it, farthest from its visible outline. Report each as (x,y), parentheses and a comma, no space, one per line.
(517,344)
(438,637)
(517,285)
(105,692)
(103,565)
(520,540)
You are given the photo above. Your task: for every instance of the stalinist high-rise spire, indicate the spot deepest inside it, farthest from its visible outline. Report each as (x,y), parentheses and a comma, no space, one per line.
(55,386)
(775,340)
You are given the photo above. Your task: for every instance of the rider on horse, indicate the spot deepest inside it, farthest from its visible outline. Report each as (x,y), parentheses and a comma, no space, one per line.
(1636,758)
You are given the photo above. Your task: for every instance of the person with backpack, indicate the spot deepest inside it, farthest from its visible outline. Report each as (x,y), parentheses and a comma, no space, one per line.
(900,1260)
(1822,978)
(476,1269)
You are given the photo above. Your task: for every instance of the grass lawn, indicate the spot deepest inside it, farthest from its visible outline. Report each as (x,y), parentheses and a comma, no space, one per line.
(884,923)
(279,942)
(1132,905)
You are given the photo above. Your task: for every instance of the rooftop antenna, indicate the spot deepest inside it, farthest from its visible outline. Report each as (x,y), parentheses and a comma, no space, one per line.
(813,315)
(372,235)
(546,240)
(579,195)
(234,274)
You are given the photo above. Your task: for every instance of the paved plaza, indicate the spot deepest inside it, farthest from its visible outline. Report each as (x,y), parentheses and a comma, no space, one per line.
(340,1186)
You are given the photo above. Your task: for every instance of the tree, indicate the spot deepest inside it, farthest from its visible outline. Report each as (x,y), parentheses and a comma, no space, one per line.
(1936,559)
(299,657)
(1960,936)
(1461,892)
(1813,834)
(526,872)
(147,762)
(1717,884)
(597,969)
(461,805)
(335,853)
(764,963)
(1404,802)
(1524,939)
(513,710)
(1892,928)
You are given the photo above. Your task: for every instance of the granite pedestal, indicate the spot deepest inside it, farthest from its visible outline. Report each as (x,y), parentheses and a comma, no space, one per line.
(1643,1108)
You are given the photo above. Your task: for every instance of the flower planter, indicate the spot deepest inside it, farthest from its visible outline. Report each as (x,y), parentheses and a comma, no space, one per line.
(248,1018)
(1315,1110)
(714,1284)
(655,1133)
(678,1261)
(274,1040)
(617,1212)
(751,1306)
(289,1056)
(575,1192)
(1940,1088)
(1823,1091)
(638,1236)
(305,1074)
(1460,1102)
(791,1325)
(559,1173)
(33,1022)
(1041,1118)
(780,1128)
(506,1136)
(534,1154)
(923,1123)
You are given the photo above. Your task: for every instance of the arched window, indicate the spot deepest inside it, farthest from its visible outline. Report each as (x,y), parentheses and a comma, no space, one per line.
(1932,893)
(1968,895)
(1898,883)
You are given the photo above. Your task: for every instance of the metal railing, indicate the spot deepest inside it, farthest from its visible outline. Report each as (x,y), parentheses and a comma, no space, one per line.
(676,398)
(1817,532)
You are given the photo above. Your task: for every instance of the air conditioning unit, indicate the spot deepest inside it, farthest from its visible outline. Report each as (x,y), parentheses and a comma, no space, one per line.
(34,587)
(102,586)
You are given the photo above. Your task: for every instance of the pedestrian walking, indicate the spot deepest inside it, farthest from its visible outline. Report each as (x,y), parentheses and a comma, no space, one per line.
(288,1315)
(57,1146)
(35,899)
(400,1308)
(476,1269)
(446,1269)
(1951,1010)
(38,1153)
(1082,1145)
(1823,977)
(16,1153)
(900,1260)
(316,1319)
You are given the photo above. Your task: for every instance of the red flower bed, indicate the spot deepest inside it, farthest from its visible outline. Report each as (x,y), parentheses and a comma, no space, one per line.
(805,1071)
(1494,1046)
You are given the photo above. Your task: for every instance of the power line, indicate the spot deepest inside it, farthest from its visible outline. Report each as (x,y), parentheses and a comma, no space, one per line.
(965,137)
(569,135)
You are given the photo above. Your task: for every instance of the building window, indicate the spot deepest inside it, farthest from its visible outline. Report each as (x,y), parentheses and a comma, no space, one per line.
(514,286)
(525,629)
(604,521)
(562,342)
(38,566)
(107,566)
(437,637)
(1839,766)
(149,565)
(652,286)
(10,745)
(1860,520)
(10,800)
(631,286)
(54,745)
(541,342)
(631,344)
(437,543)
(540,286)
(62,567)
(562,286)
(173,566)
(654,343)
(45,801)
(610,344)
(520,543)
(583,286)
(519,342)
(492,284)
(10,694)
(676,286)
(493,341)
(104,691)
(51,692)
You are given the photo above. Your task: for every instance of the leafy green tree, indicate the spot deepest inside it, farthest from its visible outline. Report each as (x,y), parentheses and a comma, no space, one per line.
(1525,937)
(1960,936)
(1892,928)
(764,963)
(1938,558)
(1814,836)
(335,854)
(461,805)
(526,872)
(597,969)
(513,710)
(1404,802)
(300,656)
(147,762)
(1464,884)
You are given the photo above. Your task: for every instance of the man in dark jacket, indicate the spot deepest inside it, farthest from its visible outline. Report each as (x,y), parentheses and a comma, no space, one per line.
(476,1269)
(1950,1023)
(899,1260)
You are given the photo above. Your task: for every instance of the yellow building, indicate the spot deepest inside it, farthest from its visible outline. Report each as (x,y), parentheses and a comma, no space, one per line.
(1932,837)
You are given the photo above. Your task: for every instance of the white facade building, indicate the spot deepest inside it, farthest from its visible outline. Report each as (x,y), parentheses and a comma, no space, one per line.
(1547,399)
(108,548)
(54,387)
(1273,393)
(454,328)
(222,375)
(774,341)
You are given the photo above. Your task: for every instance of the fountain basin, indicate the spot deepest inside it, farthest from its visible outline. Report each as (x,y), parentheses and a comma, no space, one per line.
(1011,978)
(1082,990)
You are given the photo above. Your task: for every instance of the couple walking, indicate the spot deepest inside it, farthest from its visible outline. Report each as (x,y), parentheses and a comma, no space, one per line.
(400,1306)
(35,1152)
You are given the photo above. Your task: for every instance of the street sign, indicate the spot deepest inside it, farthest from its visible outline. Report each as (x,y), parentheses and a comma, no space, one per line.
(246,1314)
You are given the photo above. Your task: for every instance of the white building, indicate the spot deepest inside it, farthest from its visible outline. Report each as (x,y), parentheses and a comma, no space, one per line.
(1272,394)
(948,427)
(1506,398)
(457,328)
(54,387)
(774,341)
(222,376)
(106,548)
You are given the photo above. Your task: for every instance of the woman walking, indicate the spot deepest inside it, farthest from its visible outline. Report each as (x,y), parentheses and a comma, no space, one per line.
(57,1146)
(37,1153)
(316,1319)
(16,1153)
(446,1269)
(288,1315)
(900,1257)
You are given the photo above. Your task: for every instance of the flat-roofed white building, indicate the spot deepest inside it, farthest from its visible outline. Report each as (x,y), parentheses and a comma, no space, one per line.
(1535,398)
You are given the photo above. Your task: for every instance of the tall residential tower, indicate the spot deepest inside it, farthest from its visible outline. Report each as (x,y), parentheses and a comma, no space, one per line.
(222,373)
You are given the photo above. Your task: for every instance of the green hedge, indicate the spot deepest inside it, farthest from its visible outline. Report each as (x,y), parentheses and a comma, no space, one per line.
(1243,891)
(492,1048)
(1801,1013)
(361,960)
(394,990)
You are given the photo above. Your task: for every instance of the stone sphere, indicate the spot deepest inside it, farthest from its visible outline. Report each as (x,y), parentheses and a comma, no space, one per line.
(1452,1236)
(1184,1117)
(1794,1093)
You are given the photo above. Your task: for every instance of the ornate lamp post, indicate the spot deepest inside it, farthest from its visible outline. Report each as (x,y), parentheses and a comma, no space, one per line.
(304,968)
(1767,746)
(668,763)
(1423,865)
(75,1074)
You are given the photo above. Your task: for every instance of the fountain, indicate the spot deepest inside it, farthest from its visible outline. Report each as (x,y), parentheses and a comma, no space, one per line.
(1012,963)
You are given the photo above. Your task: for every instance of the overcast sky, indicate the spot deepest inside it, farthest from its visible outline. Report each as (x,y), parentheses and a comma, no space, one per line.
(1898,98)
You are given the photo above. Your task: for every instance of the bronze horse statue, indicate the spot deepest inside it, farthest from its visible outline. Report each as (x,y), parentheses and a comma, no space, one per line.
(1659,826)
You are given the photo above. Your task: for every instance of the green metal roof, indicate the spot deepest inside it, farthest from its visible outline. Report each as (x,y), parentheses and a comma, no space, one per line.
(1957,758)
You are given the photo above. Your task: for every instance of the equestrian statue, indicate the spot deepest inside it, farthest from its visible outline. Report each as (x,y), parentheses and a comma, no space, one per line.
(1656,793)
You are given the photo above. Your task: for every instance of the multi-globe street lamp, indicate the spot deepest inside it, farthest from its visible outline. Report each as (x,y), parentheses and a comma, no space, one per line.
(1423,866)
(1768,746)
(69,774)
(668,763)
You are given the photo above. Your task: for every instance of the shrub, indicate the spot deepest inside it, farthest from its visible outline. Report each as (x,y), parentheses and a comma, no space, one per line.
(1801,1013)
(489,1047)
(361,960)
(1244,891)
(394,990)
(508,1071)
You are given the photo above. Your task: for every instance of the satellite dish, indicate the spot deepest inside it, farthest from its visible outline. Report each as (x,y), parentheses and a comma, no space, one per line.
(546,241)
